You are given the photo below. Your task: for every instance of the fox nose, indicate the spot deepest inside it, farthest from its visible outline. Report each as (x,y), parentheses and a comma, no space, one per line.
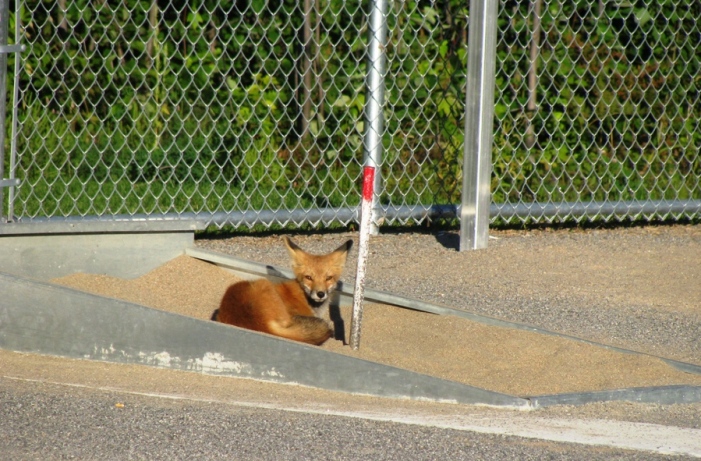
(320,294)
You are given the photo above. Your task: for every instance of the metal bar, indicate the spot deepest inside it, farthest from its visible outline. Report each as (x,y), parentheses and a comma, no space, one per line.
(479,115)
(9,182)
(620,210)
(372,142)
(15,117)
(4,49)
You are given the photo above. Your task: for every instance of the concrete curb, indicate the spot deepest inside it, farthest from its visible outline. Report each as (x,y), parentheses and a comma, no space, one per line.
(664,395)
(42,318)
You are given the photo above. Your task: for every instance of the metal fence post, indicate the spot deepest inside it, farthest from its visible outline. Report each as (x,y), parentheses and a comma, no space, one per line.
(479,114)
(374,102)
(4,49)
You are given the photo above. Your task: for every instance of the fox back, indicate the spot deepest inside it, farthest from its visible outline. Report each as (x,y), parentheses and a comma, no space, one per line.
(291,309)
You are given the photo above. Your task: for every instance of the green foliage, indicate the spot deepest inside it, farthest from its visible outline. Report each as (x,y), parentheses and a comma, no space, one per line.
(618,104)
(156,107)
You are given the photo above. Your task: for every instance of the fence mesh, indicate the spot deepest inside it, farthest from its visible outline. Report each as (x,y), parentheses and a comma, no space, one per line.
(195,108)
(598,102)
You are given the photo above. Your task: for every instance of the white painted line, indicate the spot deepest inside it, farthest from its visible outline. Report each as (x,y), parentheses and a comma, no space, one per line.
(655,438)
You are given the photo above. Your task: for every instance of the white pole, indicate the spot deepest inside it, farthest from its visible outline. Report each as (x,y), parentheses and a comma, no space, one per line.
(375,97)
(365,227)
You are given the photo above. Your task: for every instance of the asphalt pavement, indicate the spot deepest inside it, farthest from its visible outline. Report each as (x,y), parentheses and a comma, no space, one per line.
(43,421)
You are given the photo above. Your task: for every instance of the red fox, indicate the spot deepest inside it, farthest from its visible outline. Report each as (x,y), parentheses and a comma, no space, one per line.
(290,309)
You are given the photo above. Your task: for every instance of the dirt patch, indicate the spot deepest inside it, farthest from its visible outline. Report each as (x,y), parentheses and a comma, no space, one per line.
(500,359)
(185,286)
(512,361)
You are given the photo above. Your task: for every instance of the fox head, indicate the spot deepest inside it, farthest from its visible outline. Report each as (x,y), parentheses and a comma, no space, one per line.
(318,275)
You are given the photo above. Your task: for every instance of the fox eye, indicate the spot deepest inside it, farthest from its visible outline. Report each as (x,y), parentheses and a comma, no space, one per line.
(308,277)
(329,277)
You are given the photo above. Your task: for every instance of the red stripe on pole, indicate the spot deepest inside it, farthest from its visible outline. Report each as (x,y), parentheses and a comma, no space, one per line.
(368,182)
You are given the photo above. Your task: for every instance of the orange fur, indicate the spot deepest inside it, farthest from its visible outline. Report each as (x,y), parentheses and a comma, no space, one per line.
(291,309)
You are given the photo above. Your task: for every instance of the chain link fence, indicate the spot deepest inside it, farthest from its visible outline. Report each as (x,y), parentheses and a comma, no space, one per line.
(251,113)
(598,109)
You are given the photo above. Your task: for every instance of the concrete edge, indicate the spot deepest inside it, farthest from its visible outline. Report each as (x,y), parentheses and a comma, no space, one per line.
(80,225)
(664,395)
(43,318)
(121,254)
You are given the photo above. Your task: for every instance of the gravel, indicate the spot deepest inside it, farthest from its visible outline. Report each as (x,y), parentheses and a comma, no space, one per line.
(637,288)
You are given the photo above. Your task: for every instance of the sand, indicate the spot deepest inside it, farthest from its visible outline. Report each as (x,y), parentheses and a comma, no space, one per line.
(505,360)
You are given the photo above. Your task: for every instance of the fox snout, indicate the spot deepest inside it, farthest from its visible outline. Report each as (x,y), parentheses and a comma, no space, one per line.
(317,292)
(319,296)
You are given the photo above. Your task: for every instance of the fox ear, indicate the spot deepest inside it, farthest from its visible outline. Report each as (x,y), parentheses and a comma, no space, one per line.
(292,247)
(345,247)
